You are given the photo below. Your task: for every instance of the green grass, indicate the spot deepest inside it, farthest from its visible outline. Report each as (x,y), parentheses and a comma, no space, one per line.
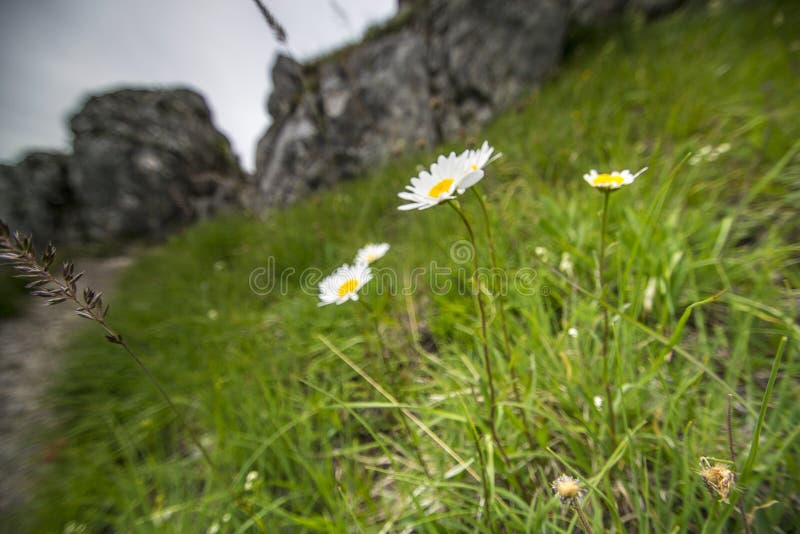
(265,392)
(12,293)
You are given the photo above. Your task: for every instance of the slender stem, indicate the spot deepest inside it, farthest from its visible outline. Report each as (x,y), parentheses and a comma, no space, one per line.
(116,338)
(381,346)
(603,292)
(731,448)
(584,521)
(503,324)
(484,340)
(391,377)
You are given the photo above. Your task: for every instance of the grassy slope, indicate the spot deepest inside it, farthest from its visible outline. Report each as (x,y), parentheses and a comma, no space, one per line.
(266,394)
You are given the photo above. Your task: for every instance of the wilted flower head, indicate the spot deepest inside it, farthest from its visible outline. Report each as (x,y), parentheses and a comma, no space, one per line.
(719,479)
(371,252)
(568,489)
(611,180)
(448,175)
(343,284)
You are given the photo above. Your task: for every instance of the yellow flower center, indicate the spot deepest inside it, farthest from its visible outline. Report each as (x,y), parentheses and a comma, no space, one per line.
(441,188)
(605,180)
(473,166)
(348,287)
(371,258)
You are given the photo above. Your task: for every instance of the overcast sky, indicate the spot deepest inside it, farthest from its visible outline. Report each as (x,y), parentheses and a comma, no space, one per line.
(53,53)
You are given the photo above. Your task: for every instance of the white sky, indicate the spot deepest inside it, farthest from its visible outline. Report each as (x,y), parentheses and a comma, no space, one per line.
(53,53)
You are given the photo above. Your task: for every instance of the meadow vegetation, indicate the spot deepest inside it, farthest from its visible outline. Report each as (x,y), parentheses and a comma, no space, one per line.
(315,420)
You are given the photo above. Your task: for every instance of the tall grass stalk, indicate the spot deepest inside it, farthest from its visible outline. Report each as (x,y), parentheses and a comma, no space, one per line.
(603,290)
(503,324)
(487,360)
(391,375)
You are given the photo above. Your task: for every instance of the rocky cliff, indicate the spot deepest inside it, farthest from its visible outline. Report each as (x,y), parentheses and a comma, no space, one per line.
(440,69)
(143,162)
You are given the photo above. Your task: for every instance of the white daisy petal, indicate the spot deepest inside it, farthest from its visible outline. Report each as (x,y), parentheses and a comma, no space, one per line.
(611,181)
(343,284)
(448,177)
(371,252)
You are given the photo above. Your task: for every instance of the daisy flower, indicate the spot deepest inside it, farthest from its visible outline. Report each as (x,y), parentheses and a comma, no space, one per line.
(612,180)
(476,160)
(343,284)
(447,175)
(371,252)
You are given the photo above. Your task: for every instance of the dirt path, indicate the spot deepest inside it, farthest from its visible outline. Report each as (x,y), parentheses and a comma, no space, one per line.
(30,354)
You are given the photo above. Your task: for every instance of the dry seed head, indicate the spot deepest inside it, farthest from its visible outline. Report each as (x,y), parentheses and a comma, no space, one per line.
(719,479)
(567,489)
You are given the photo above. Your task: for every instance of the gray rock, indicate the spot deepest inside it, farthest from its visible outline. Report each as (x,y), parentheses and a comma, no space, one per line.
(447,71)
(598,12)
(39,199)
(485,53)
(287,87)
(654,8)
(595,12)
(148,160)
(8,201)
(291,155)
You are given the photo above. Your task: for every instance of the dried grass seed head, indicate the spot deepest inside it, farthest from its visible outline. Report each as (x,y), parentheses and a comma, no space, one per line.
(568,489)
(718,478)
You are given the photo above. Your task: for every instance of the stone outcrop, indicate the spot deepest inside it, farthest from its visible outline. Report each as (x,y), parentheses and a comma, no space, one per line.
(143,162)
(442,68)
(36,196)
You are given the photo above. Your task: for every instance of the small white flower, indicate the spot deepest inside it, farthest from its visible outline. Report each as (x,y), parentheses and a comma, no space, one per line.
(573,332)
(724,147)
(612,180)
(598,401)
(565,266)
(343,284)
(250,480)
(447,176)
(476,160)
(371,252)
(226,518)
(212,314)
(213,529)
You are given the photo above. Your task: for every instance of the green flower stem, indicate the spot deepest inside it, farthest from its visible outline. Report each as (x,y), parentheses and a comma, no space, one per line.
(391,377)
(603,293)
(484,340)
(503,324)
(377,325)
(732,450)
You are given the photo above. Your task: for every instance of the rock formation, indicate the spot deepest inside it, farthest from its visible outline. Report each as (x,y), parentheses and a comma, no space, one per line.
(441,68)
(143,162)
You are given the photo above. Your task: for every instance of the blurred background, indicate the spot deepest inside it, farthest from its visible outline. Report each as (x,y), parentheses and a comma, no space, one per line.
(175,148)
